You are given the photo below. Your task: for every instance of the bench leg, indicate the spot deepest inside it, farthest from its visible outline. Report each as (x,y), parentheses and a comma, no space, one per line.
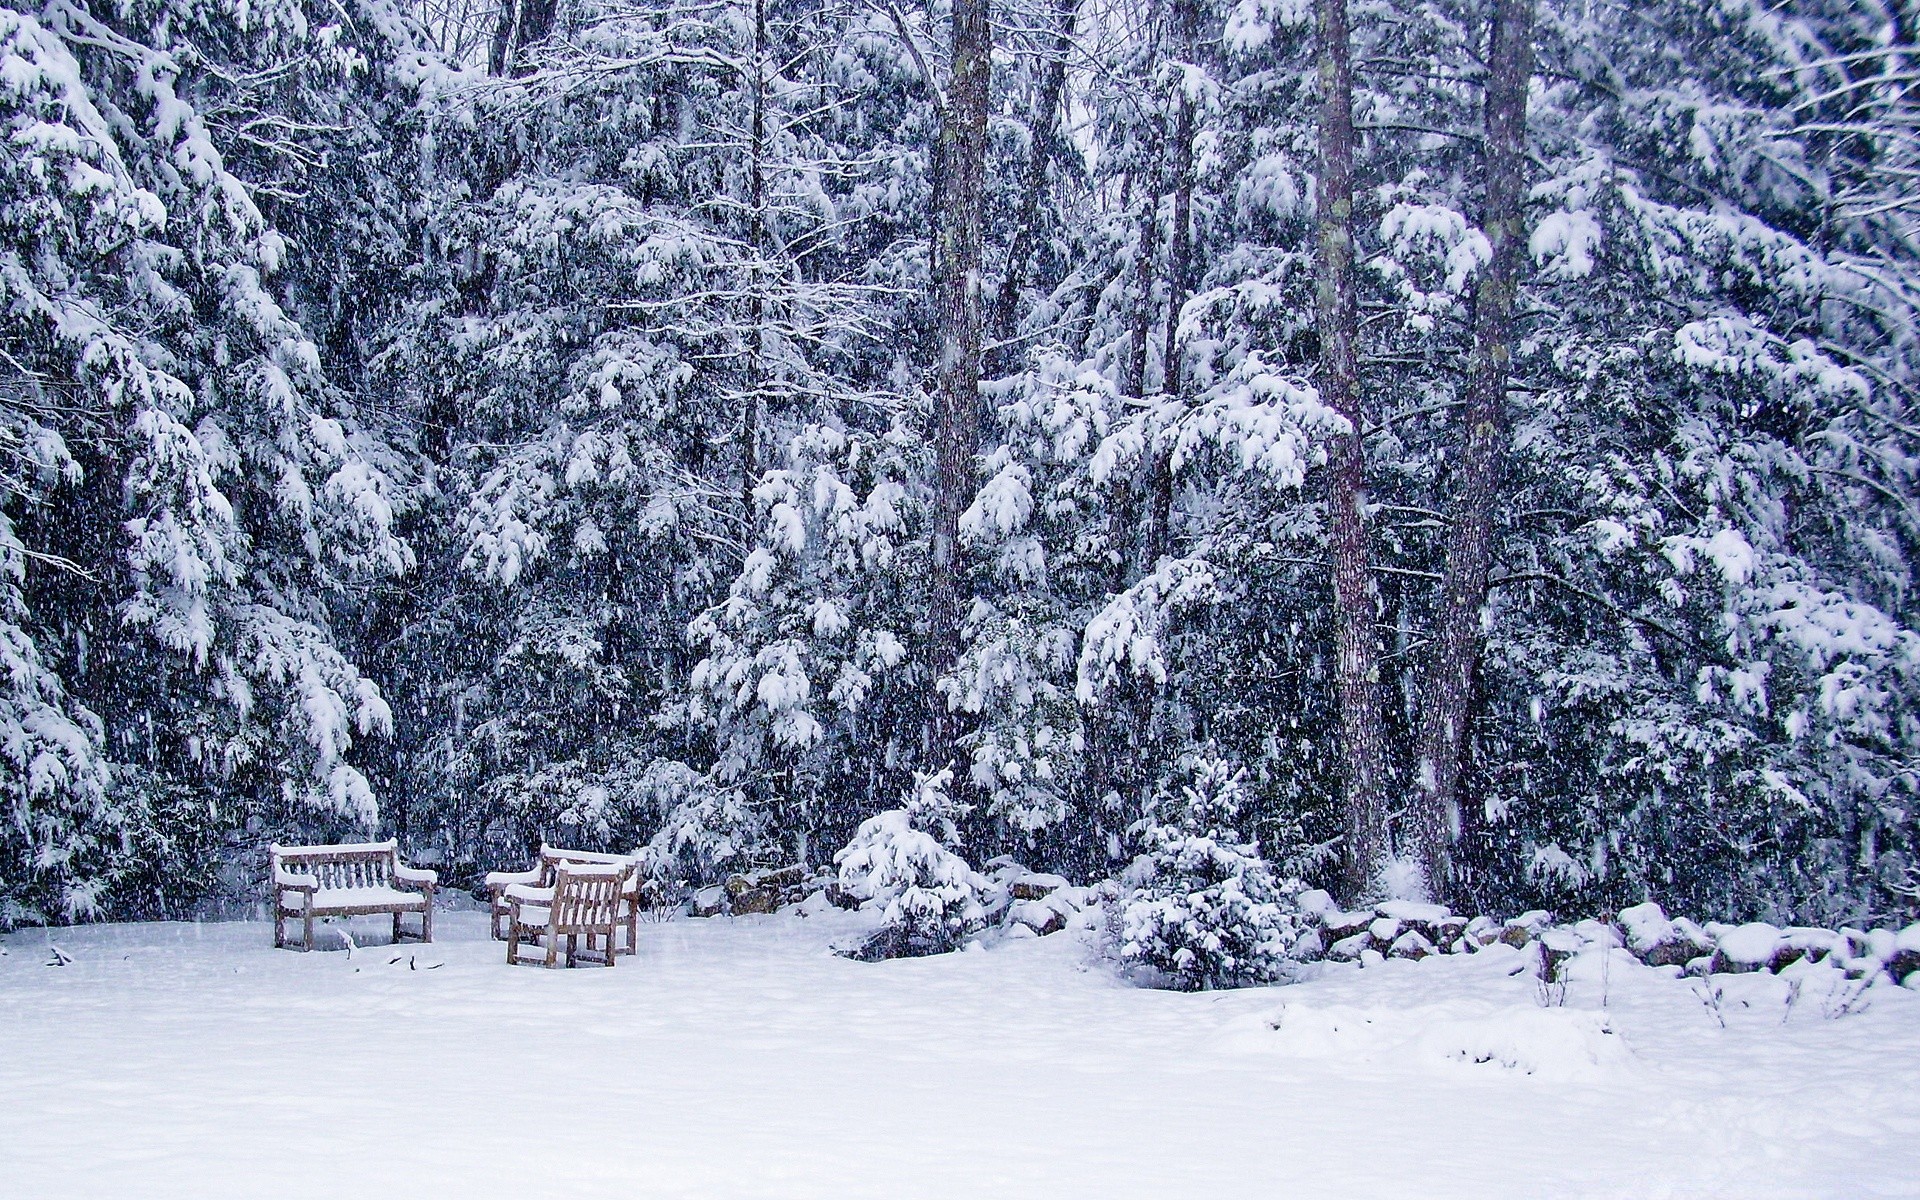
(309,929)
(553,946)
(396,929)
(513,942)
(426,920)
(279,926)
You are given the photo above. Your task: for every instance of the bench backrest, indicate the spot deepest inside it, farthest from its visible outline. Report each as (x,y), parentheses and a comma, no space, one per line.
(359,865)
(588,893)
(553,856)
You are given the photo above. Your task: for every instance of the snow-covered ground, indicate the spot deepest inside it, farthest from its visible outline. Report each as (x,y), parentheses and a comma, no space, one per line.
(740,1058)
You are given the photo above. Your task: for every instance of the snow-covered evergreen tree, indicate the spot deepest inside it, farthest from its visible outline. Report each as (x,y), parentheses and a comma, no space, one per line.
(902,862)
(1200,907)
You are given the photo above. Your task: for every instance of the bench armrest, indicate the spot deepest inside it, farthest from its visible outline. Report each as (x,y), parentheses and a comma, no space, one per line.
(295,880)
(521,893)
(416,875)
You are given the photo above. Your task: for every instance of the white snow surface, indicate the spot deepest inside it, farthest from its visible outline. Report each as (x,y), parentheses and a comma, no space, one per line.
(741,1058)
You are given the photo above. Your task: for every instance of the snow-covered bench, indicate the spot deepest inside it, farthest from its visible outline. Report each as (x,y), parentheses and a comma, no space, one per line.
(541,875)
(350,880)
(585,899)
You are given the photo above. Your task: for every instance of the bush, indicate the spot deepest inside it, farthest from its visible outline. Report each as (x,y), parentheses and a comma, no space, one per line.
(900,860)
(1201,908)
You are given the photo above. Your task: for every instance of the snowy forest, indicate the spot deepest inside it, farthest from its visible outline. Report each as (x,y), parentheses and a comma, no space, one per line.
(1464,449)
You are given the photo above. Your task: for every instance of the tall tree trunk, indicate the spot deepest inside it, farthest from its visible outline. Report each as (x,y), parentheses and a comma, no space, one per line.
(1357,659)
(756,294)
(1186,32)
(956,428)
(520,24)
(1446,692)
(1043,129)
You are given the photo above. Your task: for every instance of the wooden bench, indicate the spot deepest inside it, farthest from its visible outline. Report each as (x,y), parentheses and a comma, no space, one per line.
(588,900)
(541,875)
(346,881)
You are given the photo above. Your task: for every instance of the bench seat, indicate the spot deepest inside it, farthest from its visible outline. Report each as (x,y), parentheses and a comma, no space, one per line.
(358,901)
(346,881)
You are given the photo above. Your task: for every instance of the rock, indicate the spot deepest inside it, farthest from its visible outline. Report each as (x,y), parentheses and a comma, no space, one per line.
(1599,933)
(1533,920)
(1556,947)
(1349,949)
(1413,912)
(840,897)
(1905,959)
(1039,916)
(1339,926)
(1702,965)
(1660,942)
(813,905)
(1482,932)
(780,878)
(1384,930)
(1674,952)
(756,901)
(708,902)
(1411,944)
(1646,927)
(1035,887)
(1313,902)
(1524,928)
(1071,899)
(1017,931)
(1371,957)
(737,885)
(1749,947)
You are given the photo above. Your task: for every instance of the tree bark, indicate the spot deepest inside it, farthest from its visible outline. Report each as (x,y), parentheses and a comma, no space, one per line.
(1446,693)
(756,293)
(1357,658)
(521,23)
(1179,269)
(957,243)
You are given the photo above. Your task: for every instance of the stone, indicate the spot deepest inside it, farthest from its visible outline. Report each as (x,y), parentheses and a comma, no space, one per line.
(1349,949)
(1599,933)
(1039,916)
(1740,948)
(1314,902)
(737,885)
(1385,929)
(840,897)
(780,878)
(1411,944)
(1339,926)
(1035,887)
(756,901)
(708,902)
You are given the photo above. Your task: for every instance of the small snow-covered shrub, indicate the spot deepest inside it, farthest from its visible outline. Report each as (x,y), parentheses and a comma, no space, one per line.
(1201,908)
(900,861)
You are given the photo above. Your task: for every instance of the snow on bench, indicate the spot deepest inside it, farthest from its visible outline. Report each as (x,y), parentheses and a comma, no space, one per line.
(348,880)
(541,876)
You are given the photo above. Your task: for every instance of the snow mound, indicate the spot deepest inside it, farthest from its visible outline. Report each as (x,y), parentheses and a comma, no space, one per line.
(1751,945)
(1548,1043)
(1551,1043)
